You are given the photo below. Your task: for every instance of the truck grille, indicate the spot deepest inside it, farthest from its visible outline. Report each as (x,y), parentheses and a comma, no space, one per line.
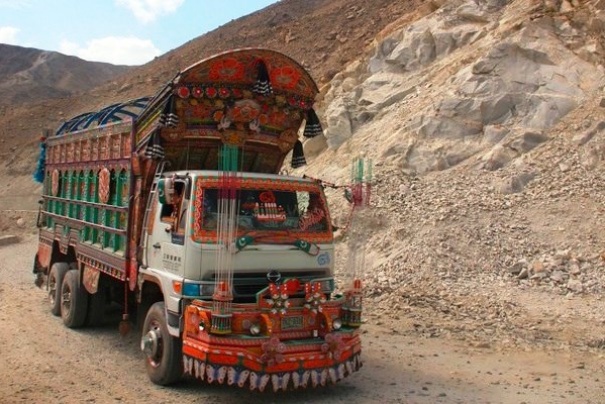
(246,286)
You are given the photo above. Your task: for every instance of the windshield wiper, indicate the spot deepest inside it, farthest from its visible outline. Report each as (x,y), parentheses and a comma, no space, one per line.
(303,245)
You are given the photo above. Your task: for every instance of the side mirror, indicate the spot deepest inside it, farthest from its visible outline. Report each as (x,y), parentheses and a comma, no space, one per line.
(165,190)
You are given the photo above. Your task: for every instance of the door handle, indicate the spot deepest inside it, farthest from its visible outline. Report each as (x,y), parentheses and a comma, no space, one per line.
(157,245)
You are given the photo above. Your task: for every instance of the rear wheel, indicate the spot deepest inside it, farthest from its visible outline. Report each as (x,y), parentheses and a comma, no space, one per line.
(163,352)
(55,279)
(74,300)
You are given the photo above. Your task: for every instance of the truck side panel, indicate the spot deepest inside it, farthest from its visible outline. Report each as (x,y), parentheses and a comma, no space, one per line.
(87,194)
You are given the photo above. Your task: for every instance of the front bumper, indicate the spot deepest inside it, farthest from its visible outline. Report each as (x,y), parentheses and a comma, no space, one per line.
(313,355)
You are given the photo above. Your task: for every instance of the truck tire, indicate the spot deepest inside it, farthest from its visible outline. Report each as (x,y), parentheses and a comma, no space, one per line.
(55,279)
(164,361)
(74,300)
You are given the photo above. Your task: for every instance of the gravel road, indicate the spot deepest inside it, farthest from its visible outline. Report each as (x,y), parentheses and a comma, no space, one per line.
(42,361)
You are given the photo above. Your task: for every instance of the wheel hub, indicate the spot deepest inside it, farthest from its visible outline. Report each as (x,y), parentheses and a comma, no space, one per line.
(150,343)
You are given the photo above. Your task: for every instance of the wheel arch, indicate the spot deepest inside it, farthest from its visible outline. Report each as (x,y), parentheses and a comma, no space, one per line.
(150,292)
(58,256)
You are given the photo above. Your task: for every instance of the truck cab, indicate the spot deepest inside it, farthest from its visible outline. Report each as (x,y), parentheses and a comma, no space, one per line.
(282,226)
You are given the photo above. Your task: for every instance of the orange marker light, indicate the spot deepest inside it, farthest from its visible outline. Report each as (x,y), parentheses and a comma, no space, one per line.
(177,287)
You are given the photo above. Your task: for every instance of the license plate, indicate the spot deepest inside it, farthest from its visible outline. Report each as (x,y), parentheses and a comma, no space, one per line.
(292,323)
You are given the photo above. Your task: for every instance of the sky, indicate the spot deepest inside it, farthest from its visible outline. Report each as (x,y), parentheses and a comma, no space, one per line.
(121,32)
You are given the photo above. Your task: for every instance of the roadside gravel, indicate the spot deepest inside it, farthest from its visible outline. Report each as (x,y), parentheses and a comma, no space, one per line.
(410,357)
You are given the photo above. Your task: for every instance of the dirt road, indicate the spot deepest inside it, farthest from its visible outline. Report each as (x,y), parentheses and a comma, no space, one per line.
(42,361)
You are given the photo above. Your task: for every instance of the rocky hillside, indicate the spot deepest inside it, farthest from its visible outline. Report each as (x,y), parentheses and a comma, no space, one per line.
(486,124)
(28,75)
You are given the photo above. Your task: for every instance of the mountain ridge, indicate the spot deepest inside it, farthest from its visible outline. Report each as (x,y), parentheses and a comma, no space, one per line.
(28,74)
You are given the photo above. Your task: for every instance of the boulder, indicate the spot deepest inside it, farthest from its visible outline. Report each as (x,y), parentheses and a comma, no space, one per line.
(339,128)
(527,141)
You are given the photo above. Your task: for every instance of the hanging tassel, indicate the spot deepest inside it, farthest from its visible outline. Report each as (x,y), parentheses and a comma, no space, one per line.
(154,149)
(312,126)
(168,117)
(298,155)
(263,83)
(41,166)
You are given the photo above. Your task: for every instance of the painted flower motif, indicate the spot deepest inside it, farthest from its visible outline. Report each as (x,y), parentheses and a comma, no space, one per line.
(199,111)
(285,77)
(183,92)
(323,259)
(273,351)
(278,119)
(333,346)
(278,302)
(245,111)
(233,138)
(237,93)
(314,298)
(197,92)
(224,92)
(228,69)
(211,92)
(280,100)
(218,115)
(194,321)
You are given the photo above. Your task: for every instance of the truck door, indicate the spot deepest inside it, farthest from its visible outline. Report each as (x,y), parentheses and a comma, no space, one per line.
(166,238)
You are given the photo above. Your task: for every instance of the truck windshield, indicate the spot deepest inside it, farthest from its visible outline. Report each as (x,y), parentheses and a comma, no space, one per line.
(300,213)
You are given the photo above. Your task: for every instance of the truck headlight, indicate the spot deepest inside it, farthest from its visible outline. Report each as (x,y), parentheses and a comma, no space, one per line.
(198,289)
(255,329)
(336,324)
(206,289)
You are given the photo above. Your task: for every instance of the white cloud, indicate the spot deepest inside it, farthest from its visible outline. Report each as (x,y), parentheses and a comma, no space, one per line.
(148,10)
(8,35)
(115,50)
(16,4)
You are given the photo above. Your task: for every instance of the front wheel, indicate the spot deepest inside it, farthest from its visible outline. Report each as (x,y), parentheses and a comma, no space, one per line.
(163,352)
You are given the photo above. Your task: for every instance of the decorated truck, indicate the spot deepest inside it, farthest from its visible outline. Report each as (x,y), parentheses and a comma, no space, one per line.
(173,207)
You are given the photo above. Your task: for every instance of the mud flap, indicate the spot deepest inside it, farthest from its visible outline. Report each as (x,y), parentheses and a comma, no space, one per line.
(38,271)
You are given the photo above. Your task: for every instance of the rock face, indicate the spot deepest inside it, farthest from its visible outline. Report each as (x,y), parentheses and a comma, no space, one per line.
(466,81)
